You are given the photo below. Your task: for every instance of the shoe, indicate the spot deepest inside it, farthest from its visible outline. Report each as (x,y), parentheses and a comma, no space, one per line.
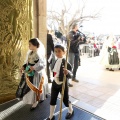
(69,115)
(32,108)
(107,68)
(119,68)
(70,85)
(46,96)
(41,101)
(75,80)
(53,118)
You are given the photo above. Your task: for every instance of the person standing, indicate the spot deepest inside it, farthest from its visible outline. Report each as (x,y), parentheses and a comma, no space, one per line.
(59,71)
(35,67)
(75,40)
(109,55)
(50,49)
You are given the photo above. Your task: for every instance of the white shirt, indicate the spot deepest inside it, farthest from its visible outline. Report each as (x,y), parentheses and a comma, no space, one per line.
(56,69)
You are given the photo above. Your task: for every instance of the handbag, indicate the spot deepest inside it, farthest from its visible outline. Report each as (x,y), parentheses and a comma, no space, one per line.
(21,87)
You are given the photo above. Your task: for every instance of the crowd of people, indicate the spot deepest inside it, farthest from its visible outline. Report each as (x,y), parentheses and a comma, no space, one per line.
(35,90)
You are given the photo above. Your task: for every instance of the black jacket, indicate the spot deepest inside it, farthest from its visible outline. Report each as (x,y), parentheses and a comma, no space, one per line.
(61,74)
(50,45)
(75,41)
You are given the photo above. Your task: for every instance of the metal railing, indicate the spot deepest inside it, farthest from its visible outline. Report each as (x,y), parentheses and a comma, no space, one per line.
(90,50)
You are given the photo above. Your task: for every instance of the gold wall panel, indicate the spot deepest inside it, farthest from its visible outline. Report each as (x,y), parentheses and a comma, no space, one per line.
(15,31)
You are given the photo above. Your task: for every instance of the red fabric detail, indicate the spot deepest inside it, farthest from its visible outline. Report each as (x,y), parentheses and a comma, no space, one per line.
(113,46)
(95,46)
(54,73)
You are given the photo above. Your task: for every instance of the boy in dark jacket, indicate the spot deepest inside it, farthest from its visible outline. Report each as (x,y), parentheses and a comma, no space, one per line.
(59,72)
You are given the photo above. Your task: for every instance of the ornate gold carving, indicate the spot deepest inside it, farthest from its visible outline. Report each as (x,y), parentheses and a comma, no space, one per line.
(15,31)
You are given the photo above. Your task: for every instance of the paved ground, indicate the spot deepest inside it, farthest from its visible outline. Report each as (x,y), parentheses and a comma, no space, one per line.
(98,90)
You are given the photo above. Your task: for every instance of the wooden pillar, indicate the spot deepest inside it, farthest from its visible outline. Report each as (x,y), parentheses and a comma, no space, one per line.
(42,21)
(39,20)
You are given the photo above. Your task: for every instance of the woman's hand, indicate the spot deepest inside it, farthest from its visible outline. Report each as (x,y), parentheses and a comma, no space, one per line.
(32,68)
(65,71)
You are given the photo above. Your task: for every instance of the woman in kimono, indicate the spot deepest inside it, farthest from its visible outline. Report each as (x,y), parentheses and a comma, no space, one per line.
(35,68)
(107,54)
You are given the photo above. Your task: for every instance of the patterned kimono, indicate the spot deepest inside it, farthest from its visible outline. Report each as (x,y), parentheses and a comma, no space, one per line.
(38,62)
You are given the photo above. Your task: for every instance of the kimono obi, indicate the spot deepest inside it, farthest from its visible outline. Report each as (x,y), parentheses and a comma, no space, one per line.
(32,59)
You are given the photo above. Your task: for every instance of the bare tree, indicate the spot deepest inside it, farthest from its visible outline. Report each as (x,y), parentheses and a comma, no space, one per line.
(64,19)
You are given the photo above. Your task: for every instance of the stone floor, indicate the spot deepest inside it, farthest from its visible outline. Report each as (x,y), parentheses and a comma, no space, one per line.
(98,90)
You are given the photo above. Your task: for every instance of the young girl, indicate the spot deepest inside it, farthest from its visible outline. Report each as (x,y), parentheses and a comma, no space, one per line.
(34,65)
(59,72)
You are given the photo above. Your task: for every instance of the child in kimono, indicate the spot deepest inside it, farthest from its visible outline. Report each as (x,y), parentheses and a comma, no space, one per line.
(34,65)
(59,72)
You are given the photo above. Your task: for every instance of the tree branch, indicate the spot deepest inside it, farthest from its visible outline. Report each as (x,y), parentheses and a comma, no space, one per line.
(77,16)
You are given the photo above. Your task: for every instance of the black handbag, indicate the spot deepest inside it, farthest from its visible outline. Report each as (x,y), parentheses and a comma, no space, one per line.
(21,87)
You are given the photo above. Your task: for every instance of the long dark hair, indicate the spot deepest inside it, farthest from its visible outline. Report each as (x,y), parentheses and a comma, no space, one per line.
(34,42)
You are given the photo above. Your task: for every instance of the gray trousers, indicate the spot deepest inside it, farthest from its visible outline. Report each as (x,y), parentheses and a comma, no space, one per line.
(74,60)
